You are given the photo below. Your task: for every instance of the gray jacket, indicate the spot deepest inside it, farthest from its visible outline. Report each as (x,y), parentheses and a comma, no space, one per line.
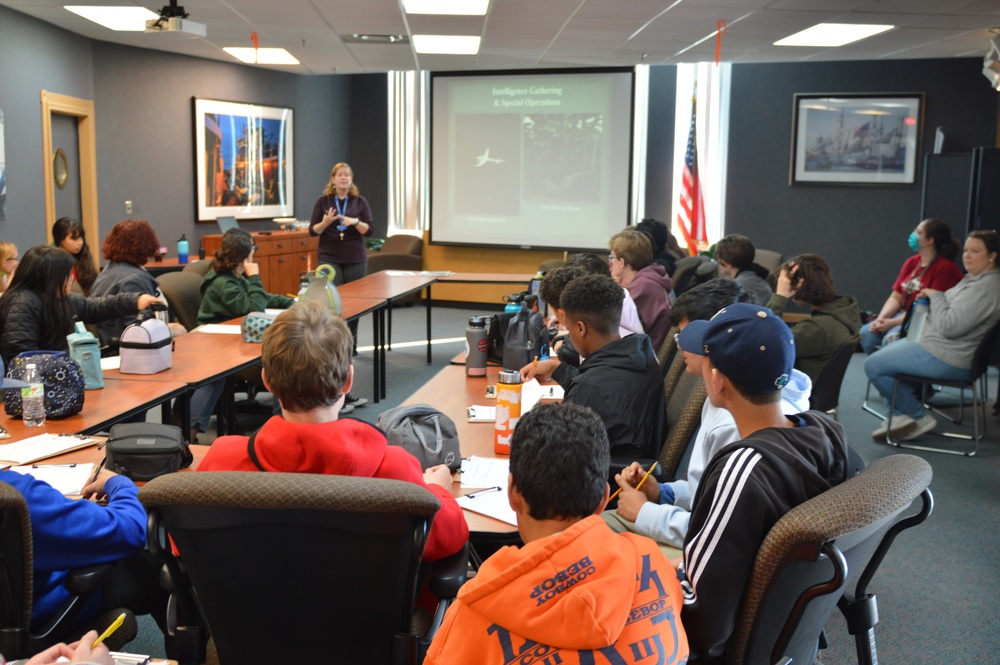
(960,317)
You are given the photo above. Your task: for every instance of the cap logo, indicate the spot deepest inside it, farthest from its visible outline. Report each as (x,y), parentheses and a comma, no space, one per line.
(762,315)
(781,381)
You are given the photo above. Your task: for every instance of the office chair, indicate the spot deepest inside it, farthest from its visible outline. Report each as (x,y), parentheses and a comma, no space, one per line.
(685,397)
(183,293)
(692,271)
(825,394)
(17,639)
(199,267)
(665,356)
(805,561)
(294,568)
(980,393)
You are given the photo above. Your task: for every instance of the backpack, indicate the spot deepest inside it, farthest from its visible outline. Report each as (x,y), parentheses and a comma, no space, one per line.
(63,379)
(424,432)
(526,338)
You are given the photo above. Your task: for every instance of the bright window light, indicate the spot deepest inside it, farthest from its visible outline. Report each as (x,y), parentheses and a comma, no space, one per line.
(261,56)
(832,34)
(454,7)
(123,19)
(446,44)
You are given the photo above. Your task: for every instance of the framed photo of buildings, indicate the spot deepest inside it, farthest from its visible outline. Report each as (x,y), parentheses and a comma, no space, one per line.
(243,160)
(852,139)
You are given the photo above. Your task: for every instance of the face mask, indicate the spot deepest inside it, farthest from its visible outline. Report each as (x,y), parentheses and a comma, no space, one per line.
(914,242)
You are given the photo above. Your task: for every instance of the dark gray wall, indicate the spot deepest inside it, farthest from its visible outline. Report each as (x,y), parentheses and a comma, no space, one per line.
(35,57)
(861,231)
(370,144)
(660,142)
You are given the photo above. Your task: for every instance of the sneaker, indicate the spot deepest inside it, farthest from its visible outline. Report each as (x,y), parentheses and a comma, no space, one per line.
(879,433)
(901,425)
(921,426)
(344,410)
(353,400)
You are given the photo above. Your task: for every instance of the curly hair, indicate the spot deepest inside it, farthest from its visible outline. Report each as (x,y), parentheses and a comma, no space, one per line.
(86,272)
(559,458)
(812,281)
(331,189)
(633,247)
(235,248)
(591,263)
(703,301)
(131,241)
(596,300)
(307,356)
(555,281)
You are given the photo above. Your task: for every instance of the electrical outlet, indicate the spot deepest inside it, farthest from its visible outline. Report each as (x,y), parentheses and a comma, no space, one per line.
(128,207)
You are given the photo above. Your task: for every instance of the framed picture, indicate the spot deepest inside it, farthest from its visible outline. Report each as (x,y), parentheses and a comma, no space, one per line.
(856,139)
(243,160)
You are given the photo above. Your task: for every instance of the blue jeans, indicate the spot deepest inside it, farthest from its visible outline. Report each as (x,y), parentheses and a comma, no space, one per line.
(905,357)
(871,341)
(203,403)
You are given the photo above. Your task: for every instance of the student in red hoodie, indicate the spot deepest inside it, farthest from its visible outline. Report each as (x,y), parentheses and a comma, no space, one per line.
(307,367)
(576,592)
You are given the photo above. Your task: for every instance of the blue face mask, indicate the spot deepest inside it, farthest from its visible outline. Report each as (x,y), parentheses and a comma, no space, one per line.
(914,242)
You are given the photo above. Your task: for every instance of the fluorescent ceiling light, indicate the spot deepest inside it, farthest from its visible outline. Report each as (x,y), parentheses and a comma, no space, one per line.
(261,56)
(130,19)
(454,7)
(446,44)
(832,34)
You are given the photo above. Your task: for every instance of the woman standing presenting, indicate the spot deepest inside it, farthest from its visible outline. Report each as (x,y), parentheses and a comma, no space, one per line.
(341,218)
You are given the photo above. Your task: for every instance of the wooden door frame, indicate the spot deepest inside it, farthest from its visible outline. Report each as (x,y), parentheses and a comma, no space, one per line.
(83,111)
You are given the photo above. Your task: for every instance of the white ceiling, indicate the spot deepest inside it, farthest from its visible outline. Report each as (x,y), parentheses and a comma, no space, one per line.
(524,34)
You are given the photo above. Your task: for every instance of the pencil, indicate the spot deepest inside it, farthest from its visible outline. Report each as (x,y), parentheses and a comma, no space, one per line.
(115,625)
(639,486)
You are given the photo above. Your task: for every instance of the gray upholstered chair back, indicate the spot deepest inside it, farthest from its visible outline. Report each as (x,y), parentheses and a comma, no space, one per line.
(183,293)
(199,267)
(685,397)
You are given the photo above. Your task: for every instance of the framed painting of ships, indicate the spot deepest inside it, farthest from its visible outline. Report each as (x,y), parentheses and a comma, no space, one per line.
(851,139)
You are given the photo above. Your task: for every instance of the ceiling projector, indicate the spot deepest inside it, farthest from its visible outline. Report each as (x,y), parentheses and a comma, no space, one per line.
(176,24)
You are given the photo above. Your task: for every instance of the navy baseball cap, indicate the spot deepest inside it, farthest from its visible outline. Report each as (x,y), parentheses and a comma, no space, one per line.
(749,344)
(6,383)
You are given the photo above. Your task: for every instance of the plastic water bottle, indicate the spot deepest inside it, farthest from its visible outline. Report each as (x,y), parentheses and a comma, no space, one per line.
(33,398)
(182,250)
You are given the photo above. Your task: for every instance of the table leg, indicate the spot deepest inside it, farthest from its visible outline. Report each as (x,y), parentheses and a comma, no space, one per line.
(388,335)
(382,332)
(376,369)
(428,324)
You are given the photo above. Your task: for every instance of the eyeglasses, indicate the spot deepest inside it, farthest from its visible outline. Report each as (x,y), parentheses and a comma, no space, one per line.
(612,257)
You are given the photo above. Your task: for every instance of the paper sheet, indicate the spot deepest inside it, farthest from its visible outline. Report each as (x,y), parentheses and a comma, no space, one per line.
(490,503)
(67,478)
(219,329)
(482,414)
(484,472)
(39,447)
(533,392)
(111,362)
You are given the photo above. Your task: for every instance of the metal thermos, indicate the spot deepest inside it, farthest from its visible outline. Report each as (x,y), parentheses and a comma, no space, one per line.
(508,410)
(515,303)
(475,347)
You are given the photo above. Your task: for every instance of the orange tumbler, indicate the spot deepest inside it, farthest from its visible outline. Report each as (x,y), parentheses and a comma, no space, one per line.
(508,410)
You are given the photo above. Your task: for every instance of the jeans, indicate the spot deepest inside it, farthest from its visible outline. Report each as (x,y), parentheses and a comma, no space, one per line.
(909,358)
(871,341)
(348,272)
(203,403)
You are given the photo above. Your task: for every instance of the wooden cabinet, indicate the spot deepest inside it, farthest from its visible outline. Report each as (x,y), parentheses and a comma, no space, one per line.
(282,255)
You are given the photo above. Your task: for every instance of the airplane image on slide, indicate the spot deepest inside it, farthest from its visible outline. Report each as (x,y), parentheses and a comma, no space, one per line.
(486,159)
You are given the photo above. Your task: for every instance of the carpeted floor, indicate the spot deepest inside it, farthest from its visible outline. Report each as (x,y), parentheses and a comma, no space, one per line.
(937,590)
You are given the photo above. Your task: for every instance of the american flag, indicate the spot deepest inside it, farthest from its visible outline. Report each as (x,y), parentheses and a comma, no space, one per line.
(692,215)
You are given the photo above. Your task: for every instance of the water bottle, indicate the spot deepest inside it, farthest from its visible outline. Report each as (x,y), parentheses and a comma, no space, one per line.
(182,250)
(303,287)
(475,347)
(508,410)
(921,309)
(515,303)
(33,398)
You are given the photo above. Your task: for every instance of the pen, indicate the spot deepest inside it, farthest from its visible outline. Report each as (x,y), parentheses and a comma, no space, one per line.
(639,486)
(98,472)
(115,625)
(488,489)
(42,466)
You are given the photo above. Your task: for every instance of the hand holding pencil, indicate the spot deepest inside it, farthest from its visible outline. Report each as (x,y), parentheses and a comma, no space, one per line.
(633,495)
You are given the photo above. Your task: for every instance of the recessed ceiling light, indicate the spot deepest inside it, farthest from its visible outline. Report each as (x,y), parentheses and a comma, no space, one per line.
(261,56)
(446,44)
(123,19)
(455,7)
(832,34)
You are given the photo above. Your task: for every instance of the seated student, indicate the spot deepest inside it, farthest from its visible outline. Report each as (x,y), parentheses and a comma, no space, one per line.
(231,288)
(666,251)
(780,462)
(734,255)
(307,367)
(620,378)
(595,265)
(8,263)
(73,533)
(630,262)
(662,511)
(834,321)
(575,591)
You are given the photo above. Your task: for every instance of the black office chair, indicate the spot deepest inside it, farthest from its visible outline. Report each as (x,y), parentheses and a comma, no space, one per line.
(825,394)
(17,639)
(980,393)
(805,562)
(183,293)
(692,271)
(293,568)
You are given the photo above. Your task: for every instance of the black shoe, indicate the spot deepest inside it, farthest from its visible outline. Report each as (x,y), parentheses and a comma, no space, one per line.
(353,400)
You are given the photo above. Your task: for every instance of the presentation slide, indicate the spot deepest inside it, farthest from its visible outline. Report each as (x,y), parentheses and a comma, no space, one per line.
(531,160)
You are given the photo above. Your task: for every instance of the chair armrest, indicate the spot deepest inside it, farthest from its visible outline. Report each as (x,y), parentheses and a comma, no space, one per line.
(86,580)
(447,575)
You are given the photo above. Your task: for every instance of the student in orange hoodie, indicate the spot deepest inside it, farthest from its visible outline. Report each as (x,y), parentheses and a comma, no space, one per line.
(576,592)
